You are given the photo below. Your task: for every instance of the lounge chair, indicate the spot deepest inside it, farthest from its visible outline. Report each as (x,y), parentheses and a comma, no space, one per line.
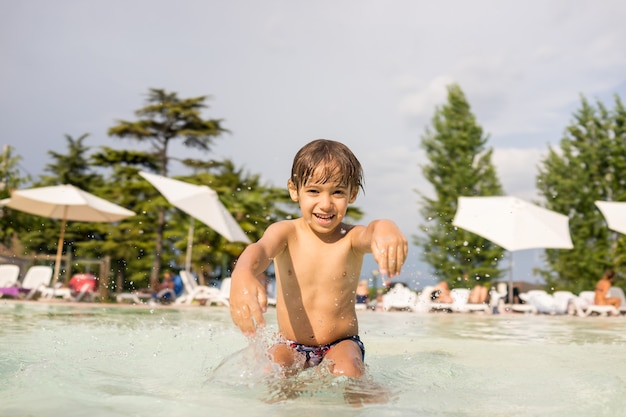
(619,293)
(134,297)
(201,293)
(460,302)
(37,281)
(539,301)
(587,304)
(9,275)
(567,303)
(400,297)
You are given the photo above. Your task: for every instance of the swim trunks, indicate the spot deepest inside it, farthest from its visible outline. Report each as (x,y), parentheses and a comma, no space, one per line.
(315,354)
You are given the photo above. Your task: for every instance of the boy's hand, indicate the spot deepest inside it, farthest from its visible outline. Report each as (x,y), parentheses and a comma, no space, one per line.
(389,247)
(248,302)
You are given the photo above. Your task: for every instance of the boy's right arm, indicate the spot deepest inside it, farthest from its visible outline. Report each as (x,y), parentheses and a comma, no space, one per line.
(248,296)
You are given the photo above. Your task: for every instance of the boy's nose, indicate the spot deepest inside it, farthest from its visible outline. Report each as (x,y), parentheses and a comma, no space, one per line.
(325,202)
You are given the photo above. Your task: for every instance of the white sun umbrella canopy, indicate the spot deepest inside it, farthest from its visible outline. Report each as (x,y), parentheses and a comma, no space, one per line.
(614,213)
(65,202)
(513,224)
(200,202)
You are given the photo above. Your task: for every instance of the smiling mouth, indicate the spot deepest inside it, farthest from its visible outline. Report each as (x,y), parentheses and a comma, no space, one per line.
(324,218)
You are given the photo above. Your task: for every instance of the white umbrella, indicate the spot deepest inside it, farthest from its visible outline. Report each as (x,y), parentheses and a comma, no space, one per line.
(200,202)
(513,224)
(65,202)
(615,214)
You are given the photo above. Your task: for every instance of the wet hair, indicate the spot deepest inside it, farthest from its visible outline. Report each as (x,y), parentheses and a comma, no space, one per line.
(336,160)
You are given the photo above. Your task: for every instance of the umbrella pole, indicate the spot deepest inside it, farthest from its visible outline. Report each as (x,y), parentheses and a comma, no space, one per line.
(189,245)
(57,262)
(510,277)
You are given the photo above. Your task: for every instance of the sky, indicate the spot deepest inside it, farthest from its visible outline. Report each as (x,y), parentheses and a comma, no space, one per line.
(280,73)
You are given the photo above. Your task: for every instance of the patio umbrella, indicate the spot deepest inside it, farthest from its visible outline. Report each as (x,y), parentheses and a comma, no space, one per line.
(65,202)
(513,224)
(615,214)
(200,202)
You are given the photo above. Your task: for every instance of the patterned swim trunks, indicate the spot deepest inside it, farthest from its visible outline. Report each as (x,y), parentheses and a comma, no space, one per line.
(315,354)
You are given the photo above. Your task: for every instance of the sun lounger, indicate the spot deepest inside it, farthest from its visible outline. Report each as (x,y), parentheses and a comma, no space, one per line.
(201,293)
(459,304)
(9,275)
(135,297)
(619,293)
(567,303)
(37,280)
(587,304)
(539,301)
(399,297)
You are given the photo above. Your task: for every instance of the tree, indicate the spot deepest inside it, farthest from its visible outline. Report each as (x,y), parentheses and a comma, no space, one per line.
(589,165)
(460,165)
(71,168)
(11,179)
(164,119)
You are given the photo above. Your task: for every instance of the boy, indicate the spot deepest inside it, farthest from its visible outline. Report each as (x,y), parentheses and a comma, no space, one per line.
(317,259)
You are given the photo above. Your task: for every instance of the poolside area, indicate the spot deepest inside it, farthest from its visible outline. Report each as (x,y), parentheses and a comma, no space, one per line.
(99,360)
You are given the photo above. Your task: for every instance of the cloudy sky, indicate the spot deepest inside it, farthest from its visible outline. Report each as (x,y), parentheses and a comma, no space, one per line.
(282,72)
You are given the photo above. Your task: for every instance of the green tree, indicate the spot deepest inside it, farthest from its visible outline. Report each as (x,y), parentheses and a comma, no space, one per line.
(589,165)
(167,118)
(130,242)
(11,178)
(460,165)
(71,168)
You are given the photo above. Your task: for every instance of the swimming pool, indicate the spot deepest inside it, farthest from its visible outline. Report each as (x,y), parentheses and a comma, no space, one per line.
(91,360)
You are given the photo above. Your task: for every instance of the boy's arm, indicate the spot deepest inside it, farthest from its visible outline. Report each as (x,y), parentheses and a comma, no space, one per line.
(248,295)
(386,243)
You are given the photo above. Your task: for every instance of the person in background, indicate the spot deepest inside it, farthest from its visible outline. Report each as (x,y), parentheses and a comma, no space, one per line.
(441,293)
(478,295)
(171,287)
(362,293)
(602,290)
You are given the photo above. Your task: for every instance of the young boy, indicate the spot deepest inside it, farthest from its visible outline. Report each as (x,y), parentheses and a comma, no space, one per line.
(317,260)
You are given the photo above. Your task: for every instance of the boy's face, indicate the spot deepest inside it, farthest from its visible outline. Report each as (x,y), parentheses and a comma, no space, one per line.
(323,205)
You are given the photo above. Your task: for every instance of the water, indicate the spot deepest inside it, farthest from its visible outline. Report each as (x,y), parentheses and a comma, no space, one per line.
(89,360)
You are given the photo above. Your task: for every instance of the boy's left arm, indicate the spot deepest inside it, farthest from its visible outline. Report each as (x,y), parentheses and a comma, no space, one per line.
(387,244)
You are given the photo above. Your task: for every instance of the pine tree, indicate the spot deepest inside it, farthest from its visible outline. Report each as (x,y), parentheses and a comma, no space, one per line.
(460,165)
(589,165)
(167,118)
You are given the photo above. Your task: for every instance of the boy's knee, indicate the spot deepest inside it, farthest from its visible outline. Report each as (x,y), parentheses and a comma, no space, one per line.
(346,359)
(350,368)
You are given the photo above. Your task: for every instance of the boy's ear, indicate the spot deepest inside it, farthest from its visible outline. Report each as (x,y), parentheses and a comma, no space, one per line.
(353,194)
(293,192)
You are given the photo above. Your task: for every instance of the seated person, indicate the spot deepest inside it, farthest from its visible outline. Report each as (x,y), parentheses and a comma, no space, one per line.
(82,285)
(478,295)
(362,292)
(441,293)
(602,290)
(171,287)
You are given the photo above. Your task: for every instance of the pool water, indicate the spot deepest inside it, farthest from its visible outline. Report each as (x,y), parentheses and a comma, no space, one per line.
(93,360)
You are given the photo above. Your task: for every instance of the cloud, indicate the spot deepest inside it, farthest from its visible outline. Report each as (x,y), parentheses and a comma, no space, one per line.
(420,102)
(517,169)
